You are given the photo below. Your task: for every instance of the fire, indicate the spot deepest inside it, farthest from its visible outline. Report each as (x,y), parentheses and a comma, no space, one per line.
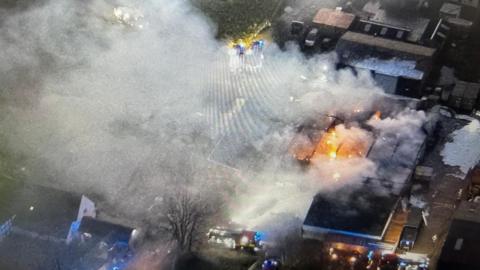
(377,115)
(343,143)
(329,144)
(336,143)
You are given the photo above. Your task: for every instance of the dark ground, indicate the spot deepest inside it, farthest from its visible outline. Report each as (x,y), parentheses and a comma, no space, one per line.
(238,18)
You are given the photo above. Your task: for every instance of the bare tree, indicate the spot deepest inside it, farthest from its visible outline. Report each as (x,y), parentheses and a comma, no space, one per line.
(185,214)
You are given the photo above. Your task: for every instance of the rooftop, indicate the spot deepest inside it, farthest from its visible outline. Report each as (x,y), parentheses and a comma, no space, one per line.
(460,250)
(451,9)
(359,212)
(39,209)
(468,211)
(335,18)
(390,67)
(416,24)
(466,89)
(390,58)
(401,48)
(470,3)
(366,210)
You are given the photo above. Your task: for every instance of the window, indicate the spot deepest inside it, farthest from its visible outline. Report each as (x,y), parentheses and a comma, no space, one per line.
(383,31)
(367,27)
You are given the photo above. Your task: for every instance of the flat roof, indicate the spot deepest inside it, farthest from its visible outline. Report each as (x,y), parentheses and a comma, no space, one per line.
(451,9)
(39,209)
(471,3)
(365,210)
(466,89)
(357,213)
(336,18)
(417,25)
(388,44)
(460,250)
(390,67)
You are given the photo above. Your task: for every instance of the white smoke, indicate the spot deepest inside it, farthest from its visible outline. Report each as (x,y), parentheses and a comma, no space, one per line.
(92,105)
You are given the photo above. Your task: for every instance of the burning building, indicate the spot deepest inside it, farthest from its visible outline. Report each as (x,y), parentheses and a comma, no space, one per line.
(368,214)
(308,135)
(330,137)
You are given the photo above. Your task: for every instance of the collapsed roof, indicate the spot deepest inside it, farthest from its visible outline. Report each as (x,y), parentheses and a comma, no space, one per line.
(365,209)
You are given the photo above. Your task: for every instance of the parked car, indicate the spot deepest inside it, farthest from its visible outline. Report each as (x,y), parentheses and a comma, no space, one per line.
(312,37)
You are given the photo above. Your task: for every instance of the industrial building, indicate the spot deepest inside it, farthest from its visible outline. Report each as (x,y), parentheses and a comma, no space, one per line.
(398,67)
(398,50)
(369,215)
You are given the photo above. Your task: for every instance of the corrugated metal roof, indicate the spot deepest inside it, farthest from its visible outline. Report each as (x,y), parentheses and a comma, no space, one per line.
(391,67)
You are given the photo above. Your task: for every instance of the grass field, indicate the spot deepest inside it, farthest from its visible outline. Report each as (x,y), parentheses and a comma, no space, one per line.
(238,18)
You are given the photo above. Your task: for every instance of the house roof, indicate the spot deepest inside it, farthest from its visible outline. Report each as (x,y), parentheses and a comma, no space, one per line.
(39,209)
(335,18)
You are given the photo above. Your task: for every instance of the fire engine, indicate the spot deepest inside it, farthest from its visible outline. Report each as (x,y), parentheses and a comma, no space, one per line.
(235,239)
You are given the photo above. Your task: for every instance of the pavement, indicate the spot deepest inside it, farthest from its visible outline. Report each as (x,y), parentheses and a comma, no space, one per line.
(442,197)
